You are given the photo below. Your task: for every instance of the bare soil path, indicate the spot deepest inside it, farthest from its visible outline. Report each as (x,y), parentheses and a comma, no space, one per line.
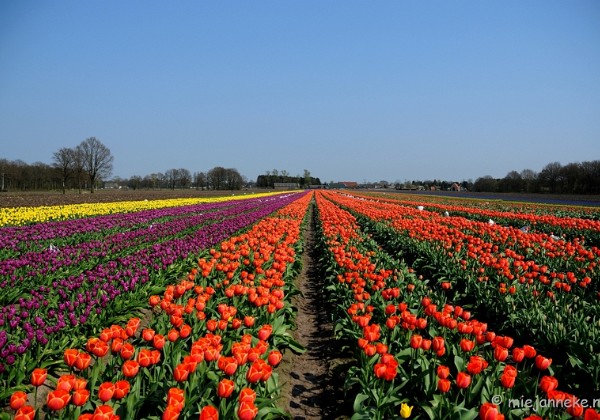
(312,383)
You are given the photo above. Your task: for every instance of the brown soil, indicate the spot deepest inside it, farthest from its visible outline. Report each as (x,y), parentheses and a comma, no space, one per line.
(312,382)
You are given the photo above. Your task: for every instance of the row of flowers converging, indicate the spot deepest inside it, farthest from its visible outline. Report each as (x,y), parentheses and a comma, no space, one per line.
(415,349)
(19,216)
(38,314)
(205,348)
(528,283)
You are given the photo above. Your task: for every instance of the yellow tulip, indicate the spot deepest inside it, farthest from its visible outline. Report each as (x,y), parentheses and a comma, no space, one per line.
(405,410)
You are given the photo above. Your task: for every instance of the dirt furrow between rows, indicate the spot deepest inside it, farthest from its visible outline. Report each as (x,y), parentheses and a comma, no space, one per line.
(312,382)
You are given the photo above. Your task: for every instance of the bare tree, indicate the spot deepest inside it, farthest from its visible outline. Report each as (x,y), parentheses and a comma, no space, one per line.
(64,162)
(97,160)
(217,177)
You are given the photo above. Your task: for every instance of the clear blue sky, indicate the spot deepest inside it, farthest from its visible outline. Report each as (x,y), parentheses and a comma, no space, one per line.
(350,90)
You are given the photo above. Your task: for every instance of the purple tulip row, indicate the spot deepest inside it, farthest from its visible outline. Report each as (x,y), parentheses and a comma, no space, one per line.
(48,309)
(20,239)
(80,256)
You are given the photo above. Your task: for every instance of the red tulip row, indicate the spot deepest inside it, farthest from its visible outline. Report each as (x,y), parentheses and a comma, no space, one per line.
(528,284)
(532,215)
(415,348)
(204,348)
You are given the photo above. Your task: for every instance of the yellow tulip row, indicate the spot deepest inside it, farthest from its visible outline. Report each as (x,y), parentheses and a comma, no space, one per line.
(19,216)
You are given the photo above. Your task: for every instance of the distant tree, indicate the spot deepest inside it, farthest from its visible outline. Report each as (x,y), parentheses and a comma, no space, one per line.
(135,182)
(217,178)
(570,178)
(233,179)
(550,176)
(485,184)
(307,178)
(590,177)
(64,162)
(512,182)
(78,166)
(97,160)
(529,178)
(184,177)
(171,178)
(200,180)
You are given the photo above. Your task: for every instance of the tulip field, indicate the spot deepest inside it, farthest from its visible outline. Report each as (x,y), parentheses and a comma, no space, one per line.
(184,309)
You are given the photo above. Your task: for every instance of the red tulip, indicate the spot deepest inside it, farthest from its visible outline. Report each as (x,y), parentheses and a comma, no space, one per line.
(176,398)
(466,345)
(247,411)
(209,413)
(145,358)
(443,371)
(148,334)
(80,397)
(415,341)
(106,391)
(529,351)
(548,383)
(58,399)
(518,354)
(225,388)
(18,399)
(228,365)
(104,412)
(130,368)
(69,356)
(171,413)
(127,351)
(489,411)
(80,383)
(121,389)
(83,360)
(463,380)
(265,332)
(66,382)
(158,341)
(26,412)
(438,343)
(500,353)
(274,357)
(444,385)
(247,395)
(38,377)
(181,372)
(542,363)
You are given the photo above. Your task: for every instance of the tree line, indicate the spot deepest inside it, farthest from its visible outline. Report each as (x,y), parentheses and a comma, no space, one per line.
(82,166)
(554,178)
(275,176)
(89,165)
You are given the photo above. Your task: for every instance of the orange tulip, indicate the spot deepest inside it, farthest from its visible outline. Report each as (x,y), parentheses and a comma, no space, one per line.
(121,389)
(83,360)
(274,357)
(106,391)
(225,388)
(130,368)
(58,399)
(209,413)
(18,399)
(247,411)
(444,385)
(463,380)
(70,356)
(80,397)
(38,377)
(26,412)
